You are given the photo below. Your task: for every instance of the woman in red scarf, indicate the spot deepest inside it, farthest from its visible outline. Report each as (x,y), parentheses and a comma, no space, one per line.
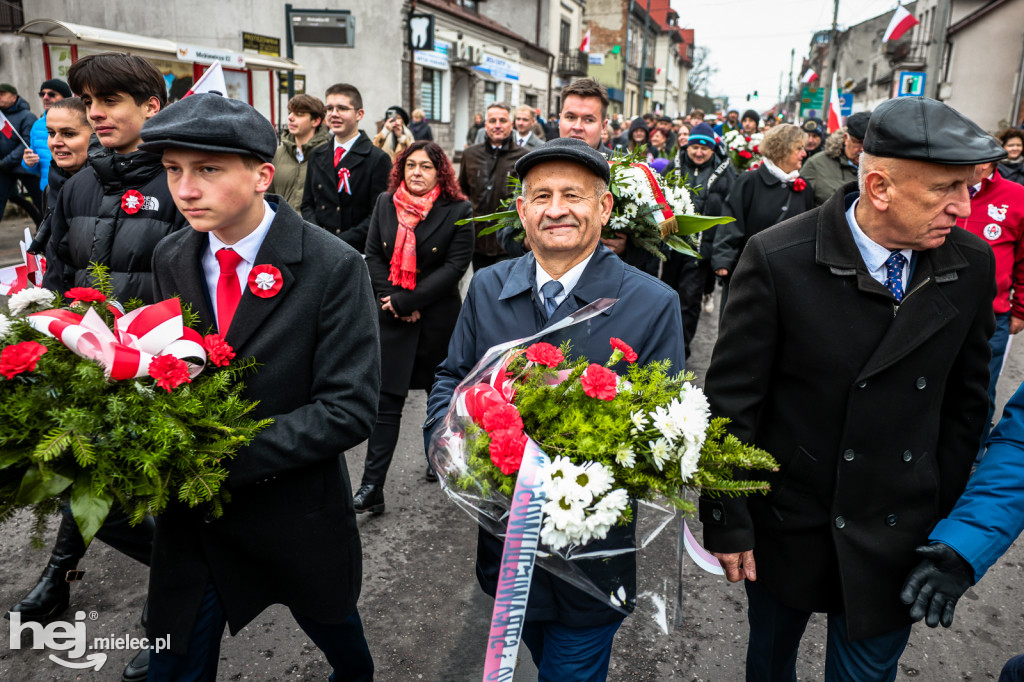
(416,255)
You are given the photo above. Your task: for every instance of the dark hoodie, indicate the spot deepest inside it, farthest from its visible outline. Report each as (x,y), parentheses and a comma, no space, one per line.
(629,144)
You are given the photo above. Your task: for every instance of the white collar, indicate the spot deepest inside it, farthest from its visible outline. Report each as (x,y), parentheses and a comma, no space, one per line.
(248,246)
(567,280)
(347,144)
(873,253)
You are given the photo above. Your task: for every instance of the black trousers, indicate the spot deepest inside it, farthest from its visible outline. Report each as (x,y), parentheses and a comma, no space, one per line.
(691,286)
(133,541)
(380,449)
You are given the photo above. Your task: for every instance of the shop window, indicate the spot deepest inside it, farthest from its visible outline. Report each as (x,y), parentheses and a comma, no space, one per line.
(490,94)
(430,94)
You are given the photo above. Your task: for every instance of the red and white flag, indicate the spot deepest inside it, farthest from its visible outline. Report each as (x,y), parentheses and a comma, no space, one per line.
(211,81)
(902,21)
(833,108)
(7,129)
(585,45)
(809,76)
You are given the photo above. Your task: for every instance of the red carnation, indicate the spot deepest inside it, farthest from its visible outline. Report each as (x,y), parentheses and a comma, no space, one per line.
(218,350)
(501,417)
(21,357)
(627,351)
(85,295)
(544,354)
(169,372)
(799,185)
(744,154)
(480,398)
(506,448)
(599,382)
(747,138)
(757,149)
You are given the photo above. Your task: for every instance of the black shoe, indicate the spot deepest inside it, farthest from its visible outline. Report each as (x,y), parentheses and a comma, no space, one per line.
(138,668)
(369,498)
(431,476)
(51,595)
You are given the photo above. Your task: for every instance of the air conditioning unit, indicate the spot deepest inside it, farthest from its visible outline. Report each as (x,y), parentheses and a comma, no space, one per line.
(464,55)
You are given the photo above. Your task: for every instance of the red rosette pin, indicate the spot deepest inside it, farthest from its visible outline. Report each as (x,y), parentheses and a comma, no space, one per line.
(132,201)
(265,281)
(799,185)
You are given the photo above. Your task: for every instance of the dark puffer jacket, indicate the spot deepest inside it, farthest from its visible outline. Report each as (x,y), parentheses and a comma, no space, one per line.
(11,148)
(90,224)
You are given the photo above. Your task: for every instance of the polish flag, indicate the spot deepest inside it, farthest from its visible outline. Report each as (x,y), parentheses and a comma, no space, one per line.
(7,129)
(833,108)
(809,76)
(211,81)
(585,45)
(902,21)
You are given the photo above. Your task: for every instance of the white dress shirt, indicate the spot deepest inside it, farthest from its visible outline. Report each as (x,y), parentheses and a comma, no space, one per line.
(247,247)
(568,280)
(873,253)
(346,145)
(522,139)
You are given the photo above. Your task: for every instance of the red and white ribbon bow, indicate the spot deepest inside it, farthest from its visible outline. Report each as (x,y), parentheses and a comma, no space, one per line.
(662,210)
(343,175)
(17,277)
(126,351)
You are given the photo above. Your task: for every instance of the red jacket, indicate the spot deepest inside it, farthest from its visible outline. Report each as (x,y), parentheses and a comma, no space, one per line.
(997,216)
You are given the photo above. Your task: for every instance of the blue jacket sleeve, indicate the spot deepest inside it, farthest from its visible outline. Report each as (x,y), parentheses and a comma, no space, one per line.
(37,140)
(990,514)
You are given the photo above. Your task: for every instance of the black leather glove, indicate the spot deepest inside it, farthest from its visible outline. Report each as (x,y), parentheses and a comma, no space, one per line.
(935,586)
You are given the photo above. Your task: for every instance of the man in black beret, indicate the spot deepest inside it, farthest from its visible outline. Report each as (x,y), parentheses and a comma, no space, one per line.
(815,130)
(564,205)
(298,300)
(854,349)
(837,165)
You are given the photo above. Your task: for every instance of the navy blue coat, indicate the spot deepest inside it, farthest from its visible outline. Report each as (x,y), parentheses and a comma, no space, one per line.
(501,306)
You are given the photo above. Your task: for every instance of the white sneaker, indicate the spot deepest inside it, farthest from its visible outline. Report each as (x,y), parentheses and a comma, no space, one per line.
(709,303)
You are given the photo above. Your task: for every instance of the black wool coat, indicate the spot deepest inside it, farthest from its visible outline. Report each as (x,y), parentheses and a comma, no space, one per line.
(873,410)
(288,535)
(411,351)
(340,213)
(757,201)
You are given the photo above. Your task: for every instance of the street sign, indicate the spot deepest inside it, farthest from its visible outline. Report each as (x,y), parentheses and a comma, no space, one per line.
(910,84)
(268,45)
(421,32)
(323,28)
(813,104)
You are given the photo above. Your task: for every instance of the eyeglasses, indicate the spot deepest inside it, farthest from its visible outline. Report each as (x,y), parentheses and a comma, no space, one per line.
(49,93)
(340,108)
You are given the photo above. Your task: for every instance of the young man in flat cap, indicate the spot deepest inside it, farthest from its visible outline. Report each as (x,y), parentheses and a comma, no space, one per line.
(288,534)
(565,203)
(854,349)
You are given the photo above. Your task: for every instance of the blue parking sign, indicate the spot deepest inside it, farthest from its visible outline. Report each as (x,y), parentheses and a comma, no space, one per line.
(910,84)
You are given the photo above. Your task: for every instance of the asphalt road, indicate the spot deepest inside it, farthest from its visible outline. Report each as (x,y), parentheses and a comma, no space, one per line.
(426,618)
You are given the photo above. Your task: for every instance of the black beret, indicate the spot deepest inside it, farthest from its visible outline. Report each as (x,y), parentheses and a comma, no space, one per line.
(211,123)
(857,124)
(566,149)
(399,111)
(923,129)
(58,86)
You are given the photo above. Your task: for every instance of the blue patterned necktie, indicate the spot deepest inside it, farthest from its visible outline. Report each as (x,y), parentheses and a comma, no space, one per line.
(551,290)
(894,274)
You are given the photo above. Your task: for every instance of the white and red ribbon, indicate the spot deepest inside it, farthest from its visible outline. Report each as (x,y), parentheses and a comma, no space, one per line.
(139,336)
(343,176)
(662,209)
(30,271)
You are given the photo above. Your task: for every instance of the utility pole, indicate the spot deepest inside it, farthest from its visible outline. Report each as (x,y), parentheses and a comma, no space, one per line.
(833,54)
(789,91)
(936,49)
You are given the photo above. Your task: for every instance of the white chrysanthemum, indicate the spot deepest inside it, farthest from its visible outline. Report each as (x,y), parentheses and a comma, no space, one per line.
(691,413)
(28,298)
(565,513)
(616,502)
(639,420)
(5,325)
(688,460)
(661,450)
(552,537)
(625,457)
(664,419)
(596,478)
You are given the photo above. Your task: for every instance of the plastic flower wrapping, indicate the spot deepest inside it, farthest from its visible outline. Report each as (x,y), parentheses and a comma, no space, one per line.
(744,149)
(103,403)
(654,211)
(610,450)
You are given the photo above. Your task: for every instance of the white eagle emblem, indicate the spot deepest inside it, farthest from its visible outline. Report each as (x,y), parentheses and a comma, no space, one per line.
(992,232)
(997,213)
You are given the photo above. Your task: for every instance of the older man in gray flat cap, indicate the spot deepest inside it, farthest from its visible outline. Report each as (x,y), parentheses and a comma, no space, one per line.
(855,350)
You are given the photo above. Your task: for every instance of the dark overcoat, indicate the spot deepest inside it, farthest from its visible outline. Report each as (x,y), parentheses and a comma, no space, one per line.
(501,306)
(340,213)
(444,250)
(288,535)
(873,410)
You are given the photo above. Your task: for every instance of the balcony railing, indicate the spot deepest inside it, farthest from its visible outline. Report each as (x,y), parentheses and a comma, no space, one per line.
(573,64)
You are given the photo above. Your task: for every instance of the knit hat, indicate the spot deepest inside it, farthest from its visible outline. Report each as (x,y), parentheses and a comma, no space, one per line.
(751,114)
(57,85)
(703,134)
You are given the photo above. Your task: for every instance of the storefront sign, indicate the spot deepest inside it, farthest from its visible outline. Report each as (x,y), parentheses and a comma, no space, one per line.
(498,67)
(434,59)
(268,45)
(596,59)
(209,55)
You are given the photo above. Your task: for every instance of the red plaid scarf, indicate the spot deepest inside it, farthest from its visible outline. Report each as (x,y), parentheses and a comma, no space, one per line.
(411,210)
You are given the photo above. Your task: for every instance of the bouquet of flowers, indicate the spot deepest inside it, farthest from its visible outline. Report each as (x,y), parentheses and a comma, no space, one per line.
(744,150)
(649,209)
(101,405)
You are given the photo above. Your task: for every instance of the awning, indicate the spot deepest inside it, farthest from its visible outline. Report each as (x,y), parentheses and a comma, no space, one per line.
(55,32)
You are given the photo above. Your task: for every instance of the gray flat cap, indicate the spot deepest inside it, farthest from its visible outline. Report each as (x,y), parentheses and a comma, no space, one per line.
(566,149)
(211,123)
(923,129)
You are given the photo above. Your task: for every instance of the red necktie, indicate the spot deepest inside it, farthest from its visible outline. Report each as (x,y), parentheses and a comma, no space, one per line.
(229,291)
(338,153)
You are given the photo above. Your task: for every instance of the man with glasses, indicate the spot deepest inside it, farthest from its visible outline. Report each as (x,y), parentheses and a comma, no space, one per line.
(344,177)
(36,159)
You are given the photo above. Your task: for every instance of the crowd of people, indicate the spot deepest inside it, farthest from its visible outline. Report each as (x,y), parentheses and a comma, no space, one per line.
(860,340)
